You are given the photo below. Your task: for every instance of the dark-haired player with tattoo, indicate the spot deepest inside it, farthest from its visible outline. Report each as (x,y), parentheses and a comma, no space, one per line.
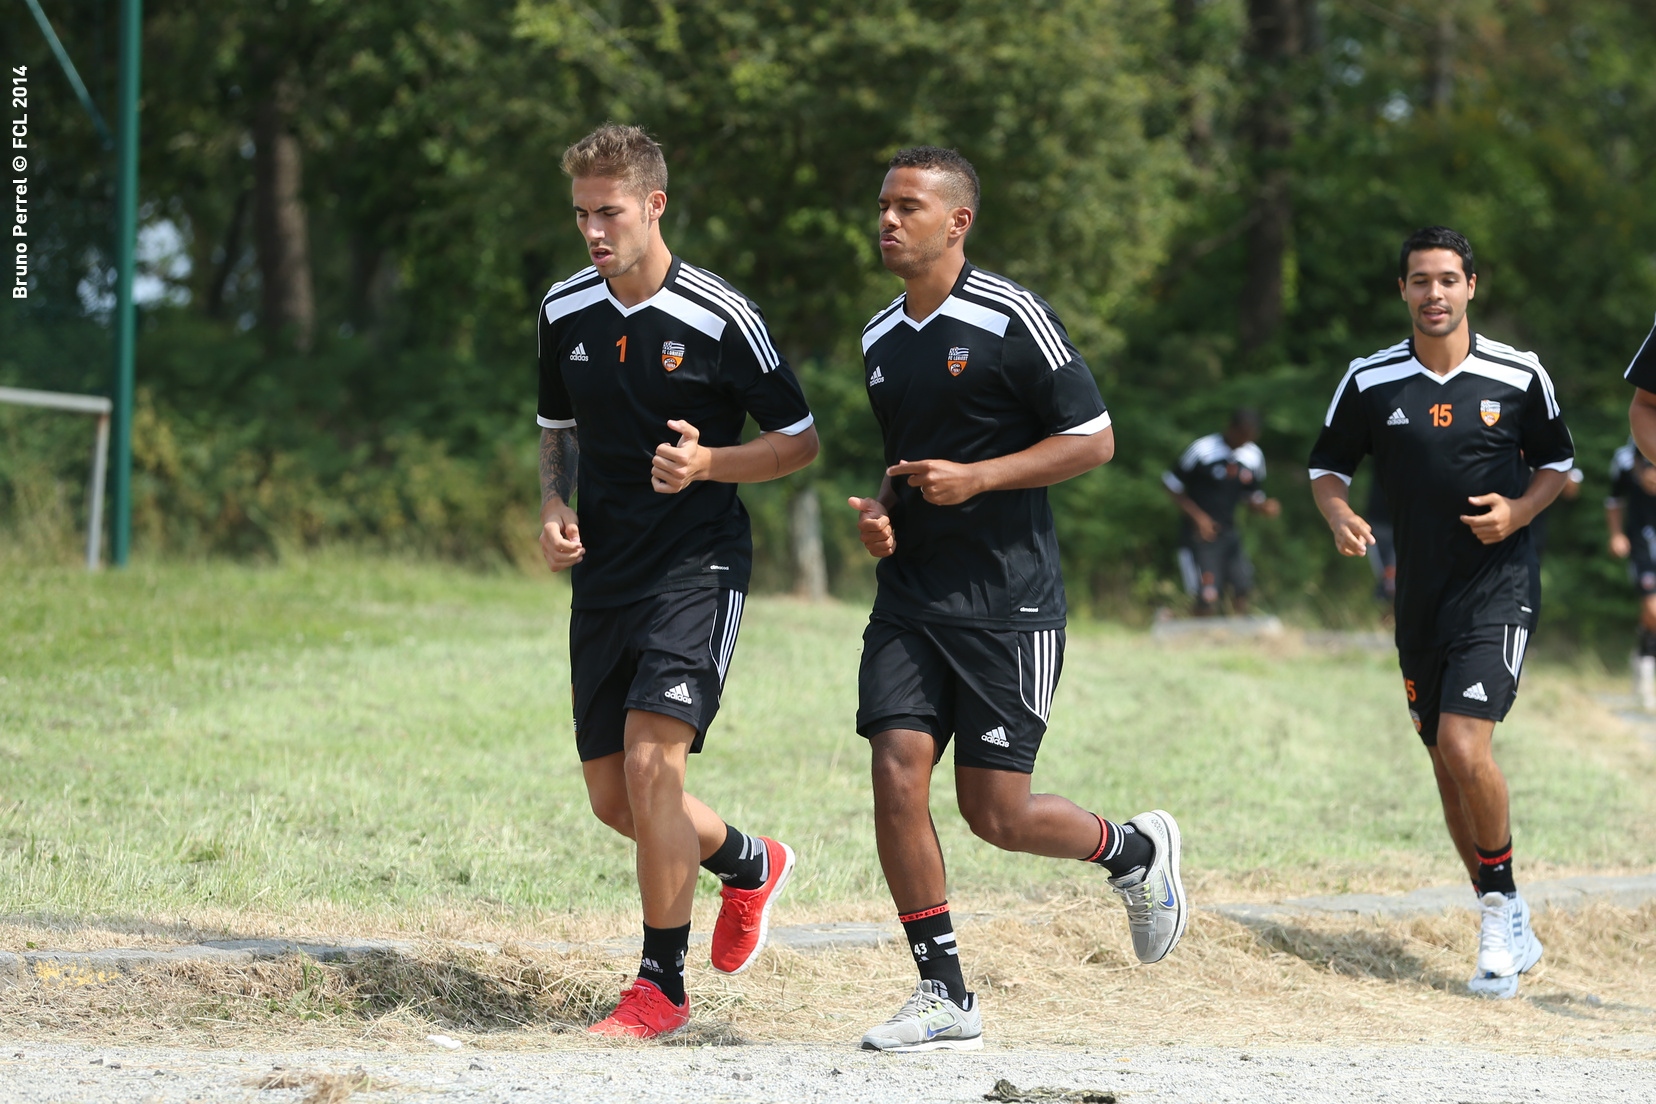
(1641,415)
(983,403)
(648,369)
(1455,422)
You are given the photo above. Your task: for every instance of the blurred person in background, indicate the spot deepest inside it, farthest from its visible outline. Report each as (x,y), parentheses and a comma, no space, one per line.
(1630,515)
(1214,476)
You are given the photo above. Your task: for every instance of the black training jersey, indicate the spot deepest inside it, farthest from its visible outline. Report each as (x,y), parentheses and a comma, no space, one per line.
(1642,372)
(1628,470)
(696,350)
(990,373)
(1217,478)
(1436,441)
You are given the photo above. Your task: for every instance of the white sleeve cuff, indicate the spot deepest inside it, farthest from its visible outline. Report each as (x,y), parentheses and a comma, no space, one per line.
(1172,482)
(797,428)
(554,423)
(1559,465)
(1318,473)
(1087,429)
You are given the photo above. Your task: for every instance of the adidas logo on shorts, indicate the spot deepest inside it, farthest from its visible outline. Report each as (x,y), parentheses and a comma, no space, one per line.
(996,736)
(679,693)
(876,377)
(578,352)
(1398,417)
(1475,692)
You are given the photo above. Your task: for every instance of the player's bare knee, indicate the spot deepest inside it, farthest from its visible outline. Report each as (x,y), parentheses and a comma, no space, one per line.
(996,825)
(613,810)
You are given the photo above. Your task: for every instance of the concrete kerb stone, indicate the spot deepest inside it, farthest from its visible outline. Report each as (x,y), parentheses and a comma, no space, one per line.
(78,969)
(1556,893)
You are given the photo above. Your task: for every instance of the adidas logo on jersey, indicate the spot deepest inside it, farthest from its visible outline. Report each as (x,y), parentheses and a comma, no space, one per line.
(578,352)
(679,693)
(1475,692)
(1398,417)
(996,736)
(876,377)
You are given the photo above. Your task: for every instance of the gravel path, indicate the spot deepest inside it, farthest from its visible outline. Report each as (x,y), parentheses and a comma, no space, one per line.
(646,1074)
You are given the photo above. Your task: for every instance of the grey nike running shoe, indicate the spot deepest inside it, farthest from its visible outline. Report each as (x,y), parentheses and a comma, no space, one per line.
(929,1021)
(1155,897)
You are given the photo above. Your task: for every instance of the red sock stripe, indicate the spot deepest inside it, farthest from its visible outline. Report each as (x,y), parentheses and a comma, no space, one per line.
(1103,837)
(1492,860)
(904,918)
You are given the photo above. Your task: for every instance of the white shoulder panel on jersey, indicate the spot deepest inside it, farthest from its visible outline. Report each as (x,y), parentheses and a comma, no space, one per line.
(883,313)
(976,314)
(564,285)
(880,327)
(1395,353)
(570,302)
(1519,359)
(1385,373)
(690,311)
(1204,450)
(1026,307)
(1251,455)
(740,311)
(1515,378)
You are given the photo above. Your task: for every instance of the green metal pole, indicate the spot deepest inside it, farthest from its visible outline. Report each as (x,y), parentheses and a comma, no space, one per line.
(126,239)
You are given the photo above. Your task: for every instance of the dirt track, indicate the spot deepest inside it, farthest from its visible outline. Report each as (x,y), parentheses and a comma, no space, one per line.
(827,1072)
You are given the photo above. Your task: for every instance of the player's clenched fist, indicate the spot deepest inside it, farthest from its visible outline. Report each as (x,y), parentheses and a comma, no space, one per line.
(874,526)
(1352,535)
(561,537)
(675,467)
(941,482)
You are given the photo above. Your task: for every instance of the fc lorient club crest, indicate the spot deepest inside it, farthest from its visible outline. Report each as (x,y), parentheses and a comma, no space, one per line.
(957,359)
(672,354)
(1490,411)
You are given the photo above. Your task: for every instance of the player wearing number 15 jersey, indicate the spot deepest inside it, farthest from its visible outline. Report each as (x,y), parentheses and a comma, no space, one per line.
(648,369)
(1455,422)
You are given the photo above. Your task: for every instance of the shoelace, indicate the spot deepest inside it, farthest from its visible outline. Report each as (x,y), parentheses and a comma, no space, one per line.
(917,1007)
(1137,900)
(1495,932)
(746,906)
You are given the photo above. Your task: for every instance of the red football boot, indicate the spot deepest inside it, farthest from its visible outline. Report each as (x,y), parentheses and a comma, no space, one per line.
(644,1013)
(744,919)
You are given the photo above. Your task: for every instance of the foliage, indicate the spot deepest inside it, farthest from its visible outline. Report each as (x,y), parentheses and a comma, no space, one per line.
(1117,183)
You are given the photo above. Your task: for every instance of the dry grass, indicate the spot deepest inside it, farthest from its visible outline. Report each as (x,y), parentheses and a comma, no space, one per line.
(1051,972)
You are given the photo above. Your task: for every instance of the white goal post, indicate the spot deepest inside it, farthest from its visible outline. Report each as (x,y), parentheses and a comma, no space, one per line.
(78,404)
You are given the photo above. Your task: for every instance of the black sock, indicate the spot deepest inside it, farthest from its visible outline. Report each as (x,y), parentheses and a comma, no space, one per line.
(741,862)
(931,940)
(1647,643)
(1122,848)
(1495,871)
(663,961)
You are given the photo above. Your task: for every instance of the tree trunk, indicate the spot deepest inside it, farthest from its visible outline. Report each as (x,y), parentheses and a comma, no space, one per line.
(232,254)
(1443,61)
(1274,42)
(289,305)
(811,569)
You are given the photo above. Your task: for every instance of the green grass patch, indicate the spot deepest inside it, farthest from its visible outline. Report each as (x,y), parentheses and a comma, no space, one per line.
(389,737)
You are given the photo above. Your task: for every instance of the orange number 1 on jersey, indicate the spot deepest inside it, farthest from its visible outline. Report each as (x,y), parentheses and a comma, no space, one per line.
(1442,414)
(622,345)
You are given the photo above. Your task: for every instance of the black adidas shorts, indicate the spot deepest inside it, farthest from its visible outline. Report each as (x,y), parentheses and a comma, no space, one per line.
(664,654)
(1641,562)
(1475,675)
(1207,567)
(991,686)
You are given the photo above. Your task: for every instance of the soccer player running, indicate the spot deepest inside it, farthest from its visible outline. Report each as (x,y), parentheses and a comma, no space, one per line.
(1630,514)
(983,404)
(648,369)
(1216,474)
(1455,422)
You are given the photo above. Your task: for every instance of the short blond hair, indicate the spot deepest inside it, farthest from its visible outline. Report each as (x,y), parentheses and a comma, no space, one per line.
(624,153)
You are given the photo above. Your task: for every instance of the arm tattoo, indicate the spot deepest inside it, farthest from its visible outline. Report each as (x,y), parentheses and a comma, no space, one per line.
(560,458)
